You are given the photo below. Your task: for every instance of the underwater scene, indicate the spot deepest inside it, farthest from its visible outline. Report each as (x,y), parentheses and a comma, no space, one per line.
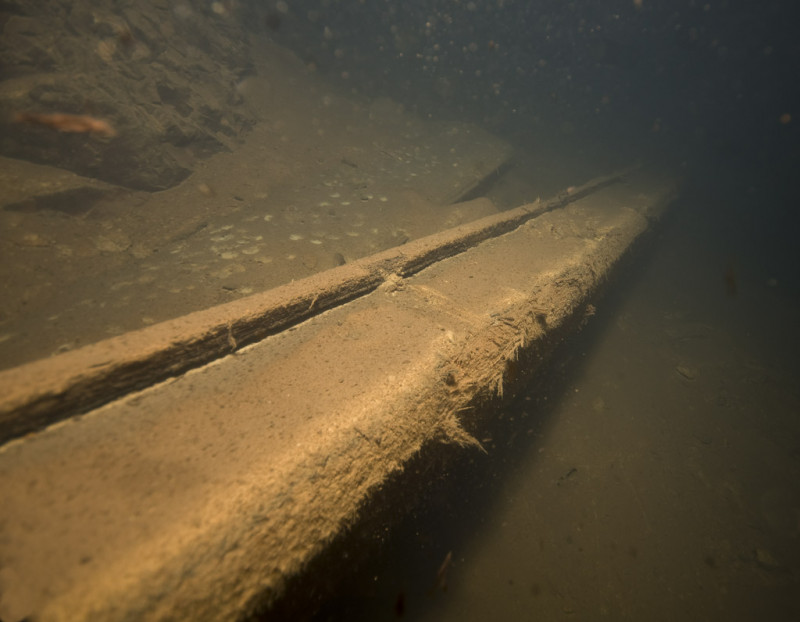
(423,310)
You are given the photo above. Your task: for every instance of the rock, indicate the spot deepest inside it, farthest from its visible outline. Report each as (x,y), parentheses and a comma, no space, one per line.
(686,372)
(766,560)
(112,242)
(164,80)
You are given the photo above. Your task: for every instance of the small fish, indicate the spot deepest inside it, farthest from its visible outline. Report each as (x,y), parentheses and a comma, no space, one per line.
(73,123)
(441,575)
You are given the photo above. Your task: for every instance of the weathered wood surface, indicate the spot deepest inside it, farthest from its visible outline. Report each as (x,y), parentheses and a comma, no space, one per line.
(199,497)
(37,394)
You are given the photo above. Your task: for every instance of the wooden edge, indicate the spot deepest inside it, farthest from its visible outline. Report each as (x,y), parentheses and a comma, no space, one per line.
(37,394)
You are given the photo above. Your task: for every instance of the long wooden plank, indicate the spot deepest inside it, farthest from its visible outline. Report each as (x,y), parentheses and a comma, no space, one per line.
(200,497)
(37,394)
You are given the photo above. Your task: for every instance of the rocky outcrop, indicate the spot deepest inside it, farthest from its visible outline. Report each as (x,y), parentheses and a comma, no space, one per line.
(163,74)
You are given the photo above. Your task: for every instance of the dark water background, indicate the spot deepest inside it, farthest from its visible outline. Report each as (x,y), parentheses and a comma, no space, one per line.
(710,88)
(615,487)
